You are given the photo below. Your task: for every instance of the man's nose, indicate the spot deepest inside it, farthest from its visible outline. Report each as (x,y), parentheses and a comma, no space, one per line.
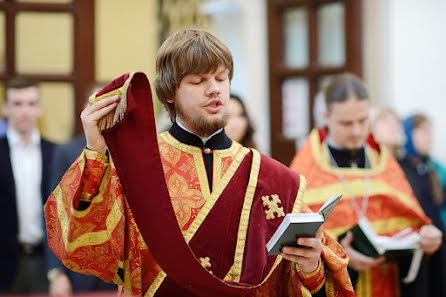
(213,88)
(356,129)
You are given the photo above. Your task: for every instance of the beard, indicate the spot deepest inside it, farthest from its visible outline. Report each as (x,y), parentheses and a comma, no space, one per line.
(202,126)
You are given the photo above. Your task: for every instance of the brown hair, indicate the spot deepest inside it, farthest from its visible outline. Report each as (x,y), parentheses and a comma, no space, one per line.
(190,51)
(18,84)
(248,138)
(437,192)
(418,119)
(343,87)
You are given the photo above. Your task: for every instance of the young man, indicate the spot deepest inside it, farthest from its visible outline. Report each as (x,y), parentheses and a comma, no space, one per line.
(225,200)
(25,160)
(346,159)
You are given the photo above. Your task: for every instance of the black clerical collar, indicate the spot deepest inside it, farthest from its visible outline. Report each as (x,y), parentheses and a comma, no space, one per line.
(217,142)
(348,158)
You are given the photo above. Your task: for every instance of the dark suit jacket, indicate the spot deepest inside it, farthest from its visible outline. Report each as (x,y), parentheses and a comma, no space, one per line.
(64,155)
(9,248)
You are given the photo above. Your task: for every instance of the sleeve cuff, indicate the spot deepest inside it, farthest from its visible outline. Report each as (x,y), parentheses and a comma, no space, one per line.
(94,155)
(313,281)
(95,166)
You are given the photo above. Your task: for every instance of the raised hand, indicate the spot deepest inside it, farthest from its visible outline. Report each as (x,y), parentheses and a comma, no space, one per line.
(90,117)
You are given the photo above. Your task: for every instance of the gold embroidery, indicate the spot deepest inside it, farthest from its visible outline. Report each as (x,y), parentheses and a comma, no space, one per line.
(211,199)
(89,154)
(92,238)
(300,195)
(235,272)
(206,263)
(273,206)
(156,284)
(376,187)
(183,199)
(86,197)
(320,152)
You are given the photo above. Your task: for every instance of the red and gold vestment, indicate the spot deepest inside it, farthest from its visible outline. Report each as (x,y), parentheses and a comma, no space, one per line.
(391,205)
(224,230)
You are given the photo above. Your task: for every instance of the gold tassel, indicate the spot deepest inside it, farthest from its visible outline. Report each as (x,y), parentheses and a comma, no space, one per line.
(116,115)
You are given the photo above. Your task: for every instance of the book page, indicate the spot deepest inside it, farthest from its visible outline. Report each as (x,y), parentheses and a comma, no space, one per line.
(328,206)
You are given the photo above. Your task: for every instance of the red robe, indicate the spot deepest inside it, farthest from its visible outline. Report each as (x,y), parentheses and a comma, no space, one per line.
(225,231)
(392,206)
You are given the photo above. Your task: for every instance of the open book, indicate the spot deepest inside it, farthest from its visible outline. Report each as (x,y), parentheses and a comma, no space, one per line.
(367,242)
(296,225)
(403,244)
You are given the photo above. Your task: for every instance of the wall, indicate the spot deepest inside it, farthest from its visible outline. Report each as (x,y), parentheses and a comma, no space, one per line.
(242,26)
(405,59)
(126,38)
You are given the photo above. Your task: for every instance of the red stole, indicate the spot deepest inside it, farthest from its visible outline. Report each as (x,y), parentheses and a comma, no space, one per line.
(134,148)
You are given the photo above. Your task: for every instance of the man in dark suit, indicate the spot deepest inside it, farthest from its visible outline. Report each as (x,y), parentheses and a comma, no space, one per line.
(63,281)
(25,159)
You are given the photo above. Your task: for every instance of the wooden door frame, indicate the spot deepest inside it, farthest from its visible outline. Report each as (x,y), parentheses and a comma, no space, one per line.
(83,75)
(283,149)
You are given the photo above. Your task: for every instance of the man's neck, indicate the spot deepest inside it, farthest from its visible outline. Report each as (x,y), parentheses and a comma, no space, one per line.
(218,141)
(204,139)
(342,157)
(24,136)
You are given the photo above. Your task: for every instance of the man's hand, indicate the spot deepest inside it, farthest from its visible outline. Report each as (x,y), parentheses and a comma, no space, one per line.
(307,257)
(358,261)
(431,238)
(90,117)
(60,286)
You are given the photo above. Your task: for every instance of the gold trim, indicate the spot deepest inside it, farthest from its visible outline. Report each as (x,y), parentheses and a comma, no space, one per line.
(116,115)
(92,238)
(216,172)
(380,226)
(218,157)
(356,188)
(218,189)
(311,274)
(300,195)
(156,284)
(363,286)
(89,154)
(320,153)
(86,197)
(235,272)
(329,285)
(210,198)
(199,162)
(117,280)
(319,287)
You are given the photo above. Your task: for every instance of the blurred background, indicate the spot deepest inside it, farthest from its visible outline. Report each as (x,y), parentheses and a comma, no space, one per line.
(284,52)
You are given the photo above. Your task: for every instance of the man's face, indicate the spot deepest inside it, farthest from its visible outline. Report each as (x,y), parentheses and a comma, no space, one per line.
(22,109)
(348,123)
(201,101)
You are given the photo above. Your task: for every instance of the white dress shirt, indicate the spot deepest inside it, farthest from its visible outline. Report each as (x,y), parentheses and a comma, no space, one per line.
(26,161)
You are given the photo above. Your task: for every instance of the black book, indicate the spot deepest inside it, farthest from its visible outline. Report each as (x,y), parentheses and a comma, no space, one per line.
(296,225)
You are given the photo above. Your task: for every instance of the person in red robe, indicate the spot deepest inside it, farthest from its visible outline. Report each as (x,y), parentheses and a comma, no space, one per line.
(345,158)
(187,212)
